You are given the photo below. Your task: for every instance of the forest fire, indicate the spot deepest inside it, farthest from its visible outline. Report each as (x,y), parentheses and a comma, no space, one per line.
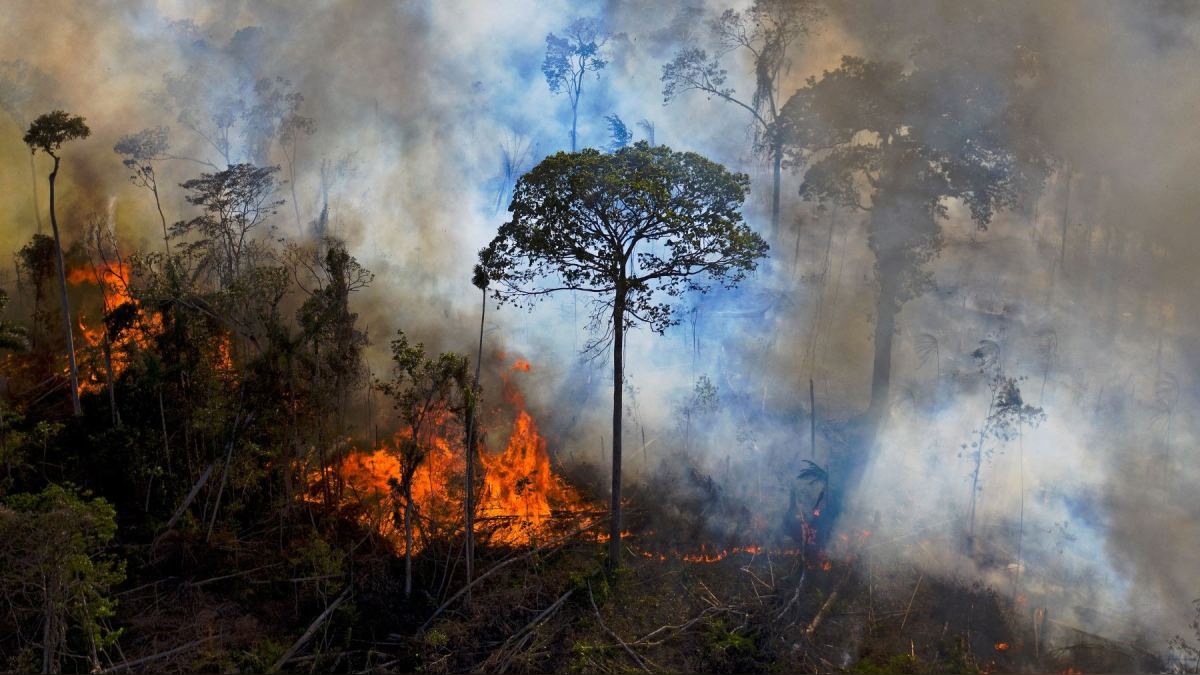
(132,329)
(519,497)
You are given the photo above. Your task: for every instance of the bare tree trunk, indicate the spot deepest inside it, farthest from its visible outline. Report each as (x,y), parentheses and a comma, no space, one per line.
(614,542)
(109,376)
(881,374)
(62,287)
(574,121)
(408,535)
(161,217)
(777,172)
(812,417)
(470,450)
(37,213)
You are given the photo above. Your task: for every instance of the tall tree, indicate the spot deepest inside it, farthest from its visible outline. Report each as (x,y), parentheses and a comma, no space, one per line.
(899,146)
(47,133)
(23,89)
(570,58)
(633,229)
(766,31)
(140,151)
(233,203)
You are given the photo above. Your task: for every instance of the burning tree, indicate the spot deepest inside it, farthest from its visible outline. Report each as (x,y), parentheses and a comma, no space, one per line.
(47,133)
(425,392)
(628,228)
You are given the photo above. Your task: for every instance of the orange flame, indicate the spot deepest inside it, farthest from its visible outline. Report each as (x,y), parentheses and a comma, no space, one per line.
(113,282)
(518,502)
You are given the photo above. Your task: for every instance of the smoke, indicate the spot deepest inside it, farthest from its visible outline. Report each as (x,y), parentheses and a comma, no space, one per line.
(414,104)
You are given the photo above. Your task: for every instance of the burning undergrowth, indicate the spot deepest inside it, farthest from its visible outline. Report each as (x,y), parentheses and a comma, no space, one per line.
(521,498)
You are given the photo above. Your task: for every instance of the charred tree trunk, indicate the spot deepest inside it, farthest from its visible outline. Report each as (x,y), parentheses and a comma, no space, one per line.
(66,307)
(472,405)
(881,373)
(614,542)
(408,533)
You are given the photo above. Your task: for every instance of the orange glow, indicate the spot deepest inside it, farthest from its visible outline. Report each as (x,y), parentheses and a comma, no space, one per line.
(1002,646)
(113,283)
(521,366)
(518,501)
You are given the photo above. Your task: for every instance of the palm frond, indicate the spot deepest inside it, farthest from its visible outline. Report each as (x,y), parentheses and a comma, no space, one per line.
(926,347)
(813,473)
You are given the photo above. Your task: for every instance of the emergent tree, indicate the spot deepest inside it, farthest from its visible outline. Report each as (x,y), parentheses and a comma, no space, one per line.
(570,58)
(900,145)
(633,228)
(48,133)
(765,31)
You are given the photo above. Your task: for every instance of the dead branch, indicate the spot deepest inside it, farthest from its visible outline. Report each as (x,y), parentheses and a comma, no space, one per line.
(187,501)
(312,628)
(910,601)
(496,568)
(795,596)
(636,659)
(125,665)
(816,622)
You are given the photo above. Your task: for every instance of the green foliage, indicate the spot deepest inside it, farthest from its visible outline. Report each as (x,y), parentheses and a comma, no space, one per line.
(12,336)
(53,561)
(49,131)
(577,52)
(729,649)
(896,663)
(637,223)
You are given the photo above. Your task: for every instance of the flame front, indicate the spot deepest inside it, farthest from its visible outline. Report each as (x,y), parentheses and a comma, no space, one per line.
(112,280)
(519,498)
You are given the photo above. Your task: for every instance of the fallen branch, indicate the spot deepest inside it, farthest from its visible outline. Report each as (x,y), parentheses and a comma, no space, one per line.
(636,659)
(678,628)
(312,629)
(496,568)
(910,601)
(816,622)
(795,596)
(504,655)
(187,501)
(124,665)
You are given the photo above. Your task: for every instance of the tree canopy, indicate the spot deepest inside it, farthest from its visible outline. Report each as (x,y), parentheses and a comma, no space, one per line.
(49,131)
(647,221)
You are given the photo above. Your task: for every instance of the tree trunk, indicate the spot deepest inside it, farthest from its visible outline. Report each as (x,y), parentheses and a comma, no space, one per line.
(109,376)
(37,213)
(408,536)
(777,172)
(881,374)
(470,478)
(66,308)
(574,121)
(161,217)
(614,542)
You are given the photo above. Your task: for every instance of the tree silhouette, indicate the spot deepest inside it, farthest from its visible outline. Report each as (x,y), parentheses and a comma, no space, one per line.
(233,203)
(628,228)
(570,58)
(898,145)
(766,31)
(140,151)
(47,133)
